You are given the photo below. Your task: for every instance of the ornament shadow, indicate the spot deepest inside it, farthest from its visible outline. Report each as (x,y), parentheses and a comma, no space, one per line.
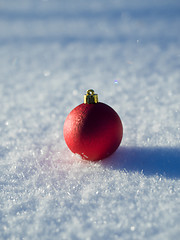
(150,161)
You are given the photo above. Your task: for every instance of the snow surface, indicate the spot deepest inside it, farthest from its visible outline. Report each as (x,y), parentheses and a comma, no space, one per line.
(51,52)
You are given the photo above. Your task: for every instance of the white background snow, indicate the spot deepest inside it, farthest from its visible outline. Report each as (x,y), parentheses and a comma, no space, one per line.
(51,52)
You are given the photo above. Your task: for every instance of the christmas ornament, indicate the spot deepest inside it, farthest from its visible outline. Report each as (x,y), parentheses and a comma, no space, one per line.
(93,129)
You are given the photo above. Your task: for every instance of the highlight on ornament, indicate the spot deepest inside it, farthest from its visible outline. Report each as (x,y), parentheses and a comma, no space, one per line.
(93,129)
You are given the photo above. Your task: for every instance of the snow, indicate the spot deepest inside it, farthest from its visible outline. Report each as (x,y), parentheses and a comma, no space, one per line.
(51,52)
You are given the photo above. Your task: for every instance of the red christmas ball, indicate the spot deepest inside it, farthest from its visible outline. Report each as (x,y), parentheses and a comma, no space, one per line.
(93,130)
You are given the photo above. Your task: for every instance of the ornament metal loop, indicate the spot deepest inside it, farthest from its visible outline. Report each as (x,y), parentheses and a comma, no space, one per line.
(90,97)
(90,92)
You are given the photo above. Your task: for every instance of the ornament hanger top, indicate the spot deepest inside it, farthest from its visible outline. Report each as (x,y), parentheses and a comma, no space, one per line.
(90,97)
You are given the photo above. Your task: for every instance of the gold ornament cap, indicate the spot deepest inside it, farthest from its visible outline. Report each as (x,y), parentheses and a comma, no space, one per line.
(90,97)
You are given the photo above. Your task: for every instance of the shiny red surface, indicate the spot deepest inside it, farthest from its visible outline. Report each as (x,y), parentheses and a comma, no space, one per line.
(93,131)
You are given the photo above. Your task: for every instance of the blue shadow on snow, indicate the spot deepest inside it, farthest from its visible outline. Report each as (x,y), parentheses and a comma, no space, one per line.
(151,161)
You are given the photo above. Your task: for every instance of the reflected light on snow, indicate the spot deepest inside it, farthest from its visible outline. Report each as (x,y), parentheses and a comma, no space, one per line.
(46,73)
